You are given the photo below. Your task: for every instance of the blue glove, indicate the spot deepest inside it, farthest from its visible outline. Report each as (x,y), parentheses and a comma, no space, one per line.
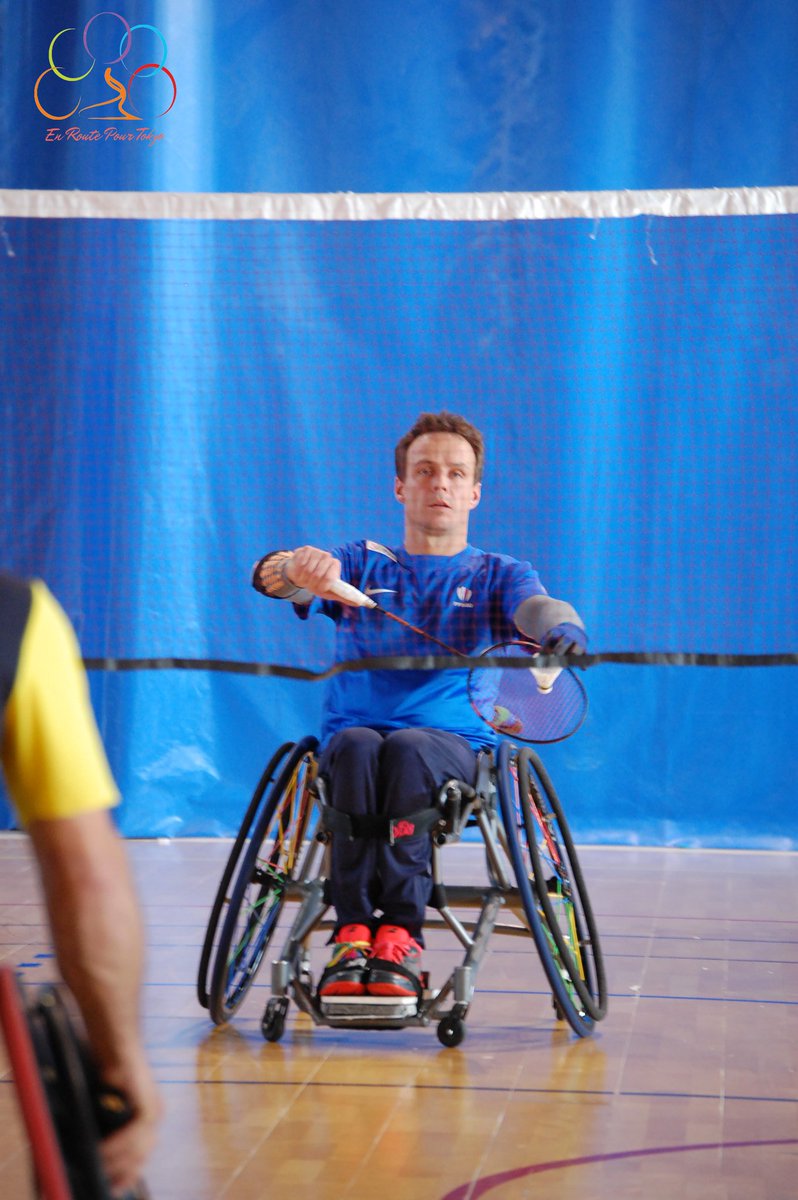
(564,639)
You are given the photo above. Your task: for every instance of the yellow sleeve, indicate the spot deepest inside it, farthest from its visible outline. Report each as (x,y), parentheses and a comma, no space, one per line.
(53,758)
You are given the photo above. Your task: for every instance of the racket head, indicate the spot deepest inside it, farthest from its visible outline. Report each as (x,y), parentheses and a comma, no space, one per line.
(541,708)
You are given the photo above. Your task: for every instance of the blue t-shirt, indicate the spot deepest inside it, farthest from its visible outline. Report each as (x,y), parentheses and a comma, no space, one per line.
(466,600)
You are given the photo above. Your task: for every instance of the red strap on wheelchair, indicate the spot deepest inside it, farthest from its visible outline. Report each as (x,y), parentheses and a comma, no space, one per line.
(379,826)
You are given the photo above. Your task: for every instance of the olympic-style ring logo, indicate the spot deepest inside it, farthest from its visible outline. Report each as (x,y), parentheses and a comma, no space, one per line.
(122,98)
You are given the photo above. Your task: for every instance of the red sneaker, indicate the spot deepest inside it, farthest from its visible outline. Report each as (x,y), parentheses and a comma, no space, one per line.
(394,964)
(345,973)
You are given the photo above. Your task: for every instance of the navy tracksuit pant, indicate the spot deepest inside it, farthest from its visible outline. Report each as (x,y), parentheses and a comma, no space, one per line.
(394,773)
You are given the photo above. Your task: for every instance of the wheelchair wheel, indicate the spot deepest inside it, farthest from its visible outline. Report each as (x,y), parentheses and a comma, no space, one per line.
(272,1024)
(250,904)
(237,852)
(561,887)
(551,888)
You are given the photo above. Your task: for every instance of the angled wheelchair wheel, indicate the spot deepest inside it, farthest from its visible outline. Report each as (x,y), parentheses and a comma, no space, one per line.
(266,855)
(239,849)
(551,888)
(560,886)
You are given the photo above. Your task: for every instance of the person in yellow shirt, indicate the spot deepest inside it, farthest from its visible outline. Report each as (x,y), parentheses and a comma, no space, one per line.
(61,786)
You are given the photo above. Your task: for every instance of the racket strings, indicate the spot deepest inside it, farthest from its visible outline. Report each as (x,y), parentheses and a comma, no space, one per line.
(537,705)
(511,701)
(533,714)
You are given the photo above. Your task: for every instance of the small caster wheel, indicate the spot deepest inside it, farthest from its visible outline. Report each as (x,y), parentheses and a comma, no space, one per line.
(451,1031)
(273,1024)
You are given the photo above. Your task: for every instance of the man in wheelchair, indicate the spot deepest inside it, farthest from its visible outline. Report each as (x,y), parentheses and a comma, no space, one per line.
(391,739)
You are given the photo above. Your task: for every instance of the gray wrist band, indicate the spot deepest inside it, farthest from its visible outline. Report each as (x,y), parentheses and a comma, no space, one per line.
(536,615)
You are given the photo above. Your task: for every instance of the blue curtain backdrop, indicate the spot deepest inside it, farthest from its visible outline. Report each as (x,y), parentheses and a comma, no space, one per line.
(403,95)
(183,396)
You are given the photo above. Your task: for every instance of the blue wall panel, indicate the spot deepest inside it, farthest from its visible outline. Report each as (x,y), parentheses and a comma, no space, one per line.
(403,95)
(182,396)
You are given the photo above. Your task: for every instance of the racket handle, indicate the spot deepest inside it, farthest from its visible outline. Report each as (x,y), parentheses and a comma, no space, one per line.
(351,595)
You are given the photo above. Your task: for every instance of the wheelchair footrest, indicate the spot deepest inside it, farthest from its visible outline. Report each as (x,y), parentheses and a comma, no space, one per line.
(369,1010)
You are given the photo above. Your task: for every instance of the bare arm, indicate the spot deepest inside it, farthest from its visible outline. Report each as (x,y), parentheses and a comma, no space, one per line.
(98,941)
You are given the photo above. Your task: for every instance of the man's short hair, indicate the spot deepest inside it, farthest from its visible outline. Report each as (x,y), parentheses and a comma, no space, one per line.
(442,422)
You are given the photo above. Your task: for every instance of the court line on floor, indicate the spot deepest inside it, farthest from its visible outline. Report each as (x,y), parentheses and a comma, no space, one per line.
(476,1188)
(482,1088)
(533,993)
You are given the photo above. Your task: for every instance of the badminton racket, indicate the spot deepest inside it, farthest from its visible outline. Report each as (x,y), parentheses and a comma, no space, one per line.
(534,704)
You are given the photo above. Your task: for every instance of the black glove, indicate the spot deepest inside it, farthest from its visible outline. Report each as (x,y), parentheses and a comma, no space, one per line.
(564,639)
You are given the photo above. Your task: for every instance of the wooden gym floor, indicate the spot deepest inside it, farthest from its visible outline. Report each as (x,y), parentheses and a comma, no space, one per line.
(687,1091)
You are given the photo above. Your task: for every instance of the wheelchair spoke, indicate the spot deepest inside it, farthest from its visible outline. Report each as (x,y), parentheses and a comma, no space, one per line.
(564,974)
(565,914)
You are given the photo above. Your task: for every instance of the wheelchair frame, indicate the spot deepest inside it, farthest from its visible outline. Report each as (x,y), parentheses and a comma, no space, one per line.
(281,854)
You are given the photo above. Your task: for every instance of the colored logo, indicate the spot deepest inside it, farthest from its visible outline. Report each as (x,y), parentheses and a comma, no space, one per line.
(121,82)
(403,829)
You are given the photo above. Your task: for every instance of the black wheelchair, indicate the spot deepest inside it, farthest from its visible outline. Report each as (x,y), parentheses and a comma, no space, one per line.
(281,855)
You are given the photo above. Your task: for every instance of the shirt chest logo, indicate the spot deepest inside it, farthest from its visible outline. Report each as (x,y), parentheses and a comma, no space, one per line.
(463,600)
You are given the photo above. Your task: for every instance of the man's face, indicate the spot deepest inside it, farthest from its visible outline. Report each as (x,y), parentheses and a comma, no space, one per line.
(439,490)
